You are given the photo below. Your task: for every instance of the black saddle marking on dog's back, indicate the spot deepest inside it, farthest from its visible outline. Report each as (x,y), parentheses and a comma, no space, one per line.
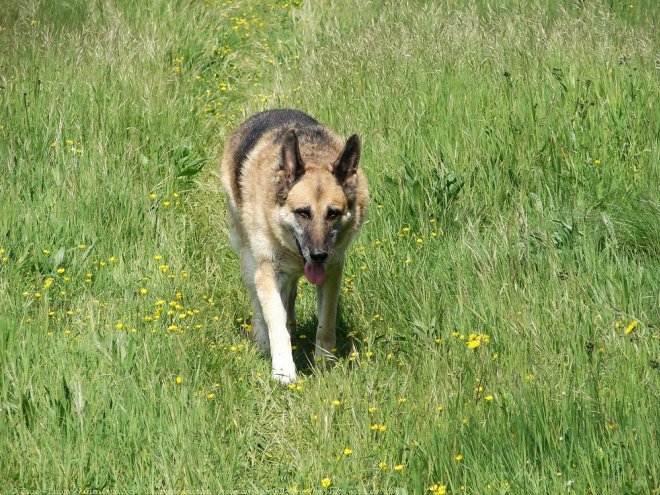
(258,125)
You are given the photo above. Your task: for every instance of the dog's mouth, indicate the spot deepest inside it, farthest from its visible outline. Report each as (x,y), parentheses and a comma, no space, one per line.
(314,272)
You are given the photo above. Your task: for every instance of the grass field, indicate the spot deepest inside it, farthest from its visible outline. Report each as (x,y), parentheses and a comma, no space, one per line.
(500,310)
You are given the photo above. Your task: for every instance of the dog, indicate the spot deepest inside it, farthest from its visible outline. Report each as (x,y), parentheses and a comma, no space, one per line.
(295,200)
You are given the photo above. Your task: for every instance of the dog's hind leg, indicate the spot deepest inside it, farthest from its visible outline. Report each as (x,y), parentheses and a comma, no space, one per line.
(289,294)
(327,301)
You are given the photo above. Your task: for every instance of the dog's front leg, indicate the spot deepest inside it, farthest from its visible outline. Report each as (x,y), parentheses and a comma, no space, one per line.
(268,292)
(327,301)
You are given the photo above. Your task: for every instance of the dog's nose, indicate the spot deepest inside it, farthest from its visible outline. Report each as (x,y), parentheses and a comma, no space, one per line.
(318,255)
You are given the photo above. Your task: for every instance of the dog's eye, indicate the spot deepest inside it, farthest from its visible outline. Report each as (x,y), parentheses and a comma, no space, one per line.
(303,212)
(333,213)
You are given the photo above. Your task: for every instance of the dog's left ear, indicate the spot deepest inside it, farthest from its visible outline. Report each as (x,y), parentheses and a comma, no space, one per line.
(346,165)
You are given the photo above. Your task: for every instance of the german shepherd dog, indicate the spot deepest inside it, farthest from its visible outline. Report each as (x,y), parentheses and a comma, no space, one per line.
(295,199)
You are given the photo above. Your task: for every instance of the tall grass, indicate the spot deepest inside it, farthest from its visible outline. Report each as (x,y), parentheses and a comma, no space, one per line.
(499,311)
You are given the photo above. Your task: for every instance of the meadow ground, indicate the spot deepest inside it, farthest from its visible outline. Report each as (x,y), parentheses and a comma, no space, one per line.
(499,311)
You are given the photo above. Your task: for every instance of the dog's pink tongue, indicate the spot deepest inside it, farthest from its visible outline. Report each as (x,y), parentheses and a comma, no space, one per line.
(315,273)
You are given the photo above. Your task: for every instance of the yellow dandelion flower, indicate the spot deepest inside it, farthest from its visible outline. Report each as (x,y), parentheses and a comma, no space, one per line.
(372,409)
(179,380)
(119,325)
(402,400)
(143,290)
(210,396)
(164,268)
(489,397)
(458,457)
(61,270)
(399,467)
(437,489)
(439,408)
(347,451)
(326,482)
(336,403)
(633,324)
(382,465)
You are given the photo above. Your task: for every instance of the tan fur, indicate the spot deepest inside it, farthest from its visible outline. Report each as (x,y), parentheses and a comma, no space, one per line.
(278,225)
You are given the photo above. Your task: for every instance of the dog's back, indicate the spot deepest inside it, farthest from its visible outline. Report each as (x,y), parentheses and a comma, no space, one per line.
(246,137)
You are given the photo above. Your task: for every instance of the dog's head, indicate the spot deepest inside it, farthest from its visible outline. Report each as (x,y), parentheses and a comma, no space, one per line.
(317,200)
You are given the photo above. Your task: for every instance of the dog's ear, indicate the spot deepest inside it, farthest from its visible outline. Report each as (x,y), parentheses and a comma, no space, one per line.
(291,163)
(346,165)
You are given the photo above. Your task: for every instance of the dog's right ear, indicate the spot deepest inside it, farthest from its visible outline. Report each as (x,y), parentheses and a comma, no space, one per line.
(291,162)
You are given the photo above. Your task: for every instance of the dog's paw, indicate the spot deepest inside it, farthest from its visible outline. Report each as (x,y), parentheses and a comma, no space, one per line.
(284,371)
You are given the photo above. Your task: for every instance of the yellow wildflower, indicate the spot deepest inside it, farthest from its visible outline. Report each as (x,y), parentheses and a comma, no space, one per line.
(437,489)
(325,482)
(633,324)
